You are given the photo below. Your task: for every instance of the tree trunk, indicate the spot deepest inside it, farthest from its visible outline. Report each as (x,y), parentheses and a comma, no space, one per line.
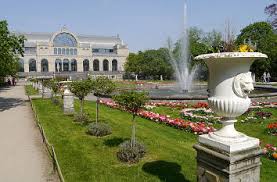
(97,109)
(133,139)
(81,106)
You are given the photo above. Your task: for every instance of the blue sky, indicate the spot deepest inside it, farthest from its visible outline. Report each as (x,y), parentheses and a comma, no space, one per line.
(142,24)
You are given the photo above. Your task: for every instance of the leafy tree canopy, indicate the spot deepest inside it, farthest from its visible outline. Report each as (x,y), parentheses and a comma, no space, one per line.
(102,86)
(81,88)
(262,34)
(10,47)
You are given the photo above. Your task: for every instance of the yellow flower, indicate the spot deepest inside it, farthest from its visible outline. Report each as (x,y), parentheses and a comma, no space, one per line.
(245,48)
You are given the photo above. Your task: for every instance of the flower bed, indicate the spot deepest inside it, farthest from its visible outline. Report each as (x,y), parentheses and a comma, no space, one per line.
(194,127)
(263,104)
(178,104)
(270,152)
(254,114)
(199,114)
(272,128)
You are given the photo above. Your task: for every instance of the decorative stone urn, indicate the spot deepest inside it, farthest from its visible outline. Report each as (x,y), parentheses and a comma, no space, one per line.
(229,85)
(68,101)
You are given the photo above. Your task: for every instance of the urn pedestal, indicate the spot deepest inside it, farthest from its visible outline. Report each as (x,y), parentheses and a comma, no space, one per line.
(68,102)
(228,155)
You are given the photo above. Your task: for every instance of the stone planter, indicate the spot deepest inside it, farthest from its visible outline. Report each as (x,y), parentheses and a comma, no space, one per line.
(68,101)
(229,84)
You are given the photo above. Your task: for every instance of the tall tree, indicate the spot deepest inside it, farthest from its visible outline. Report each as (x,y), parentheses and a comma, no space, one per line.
(271,10)
(11,46)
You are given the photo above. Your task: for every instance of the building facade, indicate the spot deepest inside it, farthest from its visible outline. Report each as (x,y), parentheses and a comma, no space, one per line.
(67,54)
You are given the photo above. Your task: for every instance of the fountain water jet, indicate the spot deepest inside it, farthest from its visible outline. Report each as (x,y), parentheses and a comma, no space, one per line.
(180,59)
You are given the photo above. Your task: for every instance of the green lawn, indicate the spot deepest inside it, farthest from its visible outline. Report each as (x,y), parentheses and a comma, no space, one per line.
(170,156)
(30,90)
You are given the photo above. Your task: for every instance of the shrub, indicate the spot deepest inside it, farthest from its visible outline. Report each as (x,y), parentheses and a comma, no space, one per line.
(81,118)
(55,101)
(130,154)
(99,129)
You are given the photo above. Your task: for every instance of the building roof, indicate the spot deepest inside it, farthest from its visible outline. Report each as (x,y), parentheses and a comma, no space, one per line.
(82,39)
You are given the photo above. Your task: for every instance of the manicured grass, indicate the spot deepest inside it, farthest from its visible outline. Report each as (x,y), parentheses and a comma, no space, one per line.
(170,156)
(30,90)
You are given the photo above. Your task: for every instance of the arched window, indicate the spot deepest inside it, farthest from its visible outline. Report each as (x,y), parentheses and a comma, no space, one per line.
(44,65)
(58,65)
(96,65)
(86,65)
(32,65)
(105,65)
(65,65)
(65,40)
(73,65)
(21,65)
(114,65)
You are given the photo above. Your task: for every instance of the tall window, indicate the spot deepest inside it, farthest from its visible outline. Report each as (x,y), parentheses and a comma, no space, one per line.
(44,65)
(86,65)
(21,65)
(55,50)
(96,65)
(65,65)
(65,40)
(32,65)
(114,65)
(105,65)
(73,65)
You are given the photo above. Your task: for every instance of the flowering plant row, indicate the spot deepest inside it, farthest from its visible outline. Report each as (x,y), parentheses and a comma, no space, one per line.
(200,114)
(272,128)
(270,152)
(194,127)
(255,113)
(178,104)
(263,104)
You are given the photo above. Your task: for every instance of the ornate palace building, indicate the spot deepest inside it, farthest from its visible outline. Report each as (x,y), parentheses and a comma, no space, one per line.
(67,54)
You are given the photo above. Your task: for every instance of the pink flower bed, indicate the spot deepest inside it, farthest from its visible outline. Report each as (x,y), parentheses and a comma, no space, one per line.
(195,127)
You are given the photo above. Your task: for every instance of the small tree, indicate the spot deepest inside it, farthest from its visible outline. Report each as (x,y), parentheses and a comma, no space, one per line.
(132,101)
(53,84)
(81,89)
(102,86)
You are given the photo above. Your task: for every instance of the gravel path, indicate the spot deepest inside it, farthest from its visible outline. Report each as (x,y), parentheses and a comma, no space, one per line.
(23,156)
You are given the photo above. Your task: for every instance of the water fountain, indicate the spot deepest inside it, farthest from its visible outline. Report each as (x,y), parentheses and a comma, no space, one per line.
(180,59)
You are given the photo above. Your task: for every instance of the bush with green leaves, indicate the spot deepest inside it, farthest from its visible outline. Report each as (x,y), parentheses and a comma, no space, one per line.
(129,153)
(81,89)
(132,101)
(82,118)
(99,129)
(102,86)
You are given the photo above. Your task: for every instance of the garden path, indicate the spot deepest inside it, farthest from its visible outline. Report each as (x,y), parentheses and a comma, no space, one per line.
(23,156)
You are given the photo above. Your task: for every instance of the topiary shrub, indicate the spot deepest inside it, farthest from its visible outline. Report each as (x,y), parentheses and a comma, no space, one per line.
(99,129)
(81,118)
(130,154)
